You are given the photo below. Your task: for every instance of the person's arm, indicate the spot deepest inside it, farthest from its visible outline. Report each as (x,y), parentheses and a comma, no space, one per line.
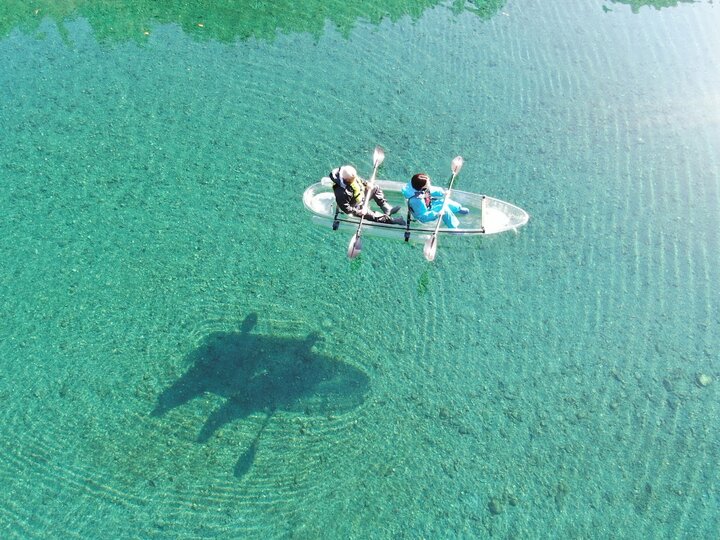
(430,215)
(343,202)
(421,212)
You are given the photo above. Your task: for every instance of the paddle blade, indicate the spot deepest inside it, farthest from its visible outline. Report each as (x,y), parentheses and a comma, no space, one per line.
(378,156)
(430,248)
(354,246)
(457,164)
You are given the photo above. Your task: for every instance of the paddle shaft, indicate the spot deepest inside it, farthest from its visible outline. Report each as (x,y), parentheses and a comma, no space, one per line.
(366,202)
(445,202)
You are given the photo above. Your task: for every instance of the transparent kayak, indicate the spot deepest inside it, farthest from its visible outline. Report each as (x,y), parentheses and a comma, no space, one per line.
(487,214)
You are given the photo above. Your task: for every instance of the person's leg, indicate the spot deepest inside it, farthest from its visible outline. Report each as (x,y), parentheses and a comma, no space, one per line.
(451,222)
(379,197)
(457,207)
(384,218)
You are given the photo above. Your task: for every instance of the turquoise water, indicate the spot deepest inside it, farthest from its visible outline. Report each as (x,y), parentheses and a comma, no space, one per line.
(184,355)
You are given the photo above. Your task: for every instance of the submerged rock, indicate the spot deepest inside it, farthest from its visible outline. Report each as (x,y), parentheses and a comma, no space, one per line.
(495,506)
(703,379)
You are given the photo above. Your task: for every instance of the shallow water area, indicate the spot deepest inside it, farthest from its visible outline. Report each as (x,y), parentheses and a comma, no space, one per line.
(185,355)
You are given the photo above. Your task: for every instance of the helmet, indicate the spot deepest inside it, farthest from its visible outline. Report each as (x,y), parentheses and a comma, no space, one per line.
(419,181)
(347,172)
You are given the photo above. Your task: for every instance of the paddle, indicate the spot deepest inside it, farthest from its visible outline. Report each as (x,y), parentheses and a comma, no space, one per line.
(247,459)
(355,244)
(431,245)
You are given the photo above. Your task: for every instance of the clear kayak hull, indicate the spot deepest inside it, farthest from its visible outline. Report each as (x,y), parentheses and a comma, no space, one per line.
(487,215)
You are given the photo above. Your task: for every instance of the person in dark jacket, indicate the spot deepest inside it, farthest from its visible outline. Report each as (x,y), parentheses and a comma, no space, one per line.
(350,192)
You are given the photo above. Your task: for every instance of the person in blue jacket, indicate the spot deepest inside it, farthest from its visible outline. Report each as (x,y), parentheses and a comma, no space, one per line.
(426,201)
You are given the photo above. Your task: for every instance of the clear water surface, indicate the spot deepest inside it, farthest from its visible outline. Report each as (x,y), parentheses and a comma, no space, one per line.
(184,355)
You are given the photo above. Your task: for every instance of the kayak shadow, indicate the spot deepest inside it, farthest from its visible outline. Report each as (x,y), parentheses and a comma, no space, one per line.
(263,374)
